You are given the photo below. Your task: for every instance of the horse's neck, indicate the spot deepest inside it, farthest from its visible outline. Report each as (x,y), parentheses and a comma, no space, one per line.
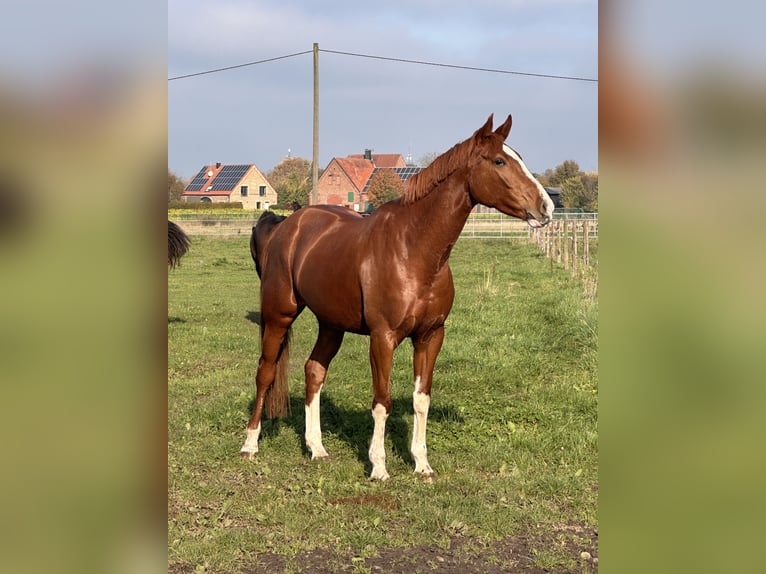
(437,220)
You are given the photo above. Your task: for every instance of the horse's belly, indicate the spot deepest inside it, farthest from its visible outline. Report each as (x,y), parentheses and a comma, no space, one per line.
(344,321)
(340,308)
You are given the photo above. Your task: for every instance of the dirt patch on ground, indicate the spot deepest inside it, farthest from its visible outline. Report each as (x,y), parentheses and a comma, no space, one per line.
(568,549)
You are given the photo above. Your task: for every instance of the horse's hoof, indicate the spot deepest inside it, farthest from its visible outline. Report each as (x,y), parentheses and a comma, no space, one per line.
(246,455)
(321,458)
(428,478)
(379,475)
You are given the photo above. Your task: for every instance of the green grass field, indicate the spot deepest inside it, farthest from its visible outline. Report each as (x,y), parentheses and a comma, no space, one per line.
(512,431)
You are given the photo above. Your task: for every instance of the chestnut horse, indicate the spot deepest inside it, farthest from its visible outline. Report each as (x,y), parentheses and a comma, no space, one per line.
(386,276)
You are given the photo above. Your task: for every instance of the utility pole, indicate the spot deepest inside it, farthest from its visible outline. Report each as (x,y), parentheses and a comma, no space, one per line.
(315,163)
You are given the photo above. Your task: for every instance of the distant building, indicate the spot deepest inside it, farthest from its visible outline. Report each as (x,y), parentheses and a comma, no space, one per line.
(231,183)
(346,179)
(555,194)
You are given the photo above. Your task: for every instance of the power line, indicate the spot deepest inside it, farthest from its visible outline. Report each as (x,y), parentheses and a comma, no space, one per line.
(239,66)
(460,67)
(401,60)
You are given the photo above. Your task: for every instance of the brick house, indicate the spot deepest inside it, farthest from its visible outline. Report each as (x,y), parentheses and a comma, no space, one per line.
(231,183)
(346,179)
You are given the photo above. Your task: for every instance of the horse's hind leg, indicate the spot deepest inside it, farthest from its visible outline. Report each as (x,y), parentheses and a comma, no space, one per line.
(326,347)
(274,335)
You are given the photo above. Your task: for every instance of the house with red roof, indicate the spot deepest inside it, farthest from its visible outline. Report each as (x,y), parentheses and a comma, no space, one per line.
(345,180)
(231,183)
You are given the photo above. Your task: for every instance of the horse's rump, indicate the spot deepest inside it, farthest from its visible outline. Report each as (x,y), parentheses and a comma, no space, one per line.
(277,400)
(260,235)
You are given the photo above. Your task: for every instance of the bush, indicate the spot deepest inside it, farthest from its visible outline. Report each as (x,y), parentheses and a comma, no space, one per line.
(204,206)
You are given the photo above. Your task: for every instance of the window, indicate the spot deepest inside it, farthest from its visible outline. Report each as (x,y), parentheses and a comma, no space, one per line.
(262,190)
(257,204)
(351,197)
(205,200)
(243,191)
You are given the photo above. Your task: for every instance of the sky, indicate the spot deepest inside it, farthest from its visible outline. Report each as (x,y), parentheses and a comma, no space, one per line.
(262,113)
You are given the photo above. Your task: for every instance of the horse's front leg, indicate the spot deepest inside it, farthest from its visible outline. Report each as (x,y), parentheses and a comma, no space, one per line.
(382,347)
(427,348)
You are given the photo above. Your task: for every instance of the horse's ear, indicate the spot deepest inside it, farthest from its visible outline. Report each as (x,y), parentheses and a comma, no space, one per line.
(505,129)
(486,129)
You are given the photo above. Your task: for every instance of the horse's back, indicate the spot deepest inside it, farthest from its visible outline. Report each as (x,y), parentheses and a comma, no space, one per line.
(319,223)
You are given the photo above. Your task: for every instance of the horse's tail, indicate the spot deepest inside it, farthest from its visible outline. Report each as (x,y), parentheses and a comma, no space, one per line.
(178,244)
(277,397)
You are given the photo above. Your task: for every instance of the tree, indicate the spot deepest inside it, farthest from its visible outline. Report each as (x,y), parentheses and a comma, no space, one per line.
(427,159)
(563,172)
(572,192)
(590,181)
(176,187)
(384,187)
(578,189)
(575,193)
(291,179)
(544,178)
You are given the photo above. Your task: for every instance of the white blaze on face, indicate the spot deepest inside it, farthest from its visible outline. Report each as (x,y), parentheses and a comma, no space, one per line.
(547,201)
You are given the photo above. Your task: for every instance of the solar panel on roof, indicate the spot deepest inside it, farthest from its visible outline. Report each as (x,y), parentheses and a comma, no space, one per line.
(198,181)
(404,173)
(229,177)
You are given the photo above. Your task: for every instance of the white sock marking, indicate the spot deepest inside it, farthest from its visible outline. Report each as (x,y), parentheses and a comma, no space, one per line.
(377,446)
(251,442)
(314,428)
(420,403)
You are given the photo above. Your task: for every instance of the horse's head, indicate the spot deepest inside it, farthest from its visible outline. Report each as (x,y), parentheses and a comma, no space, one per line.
(500,179)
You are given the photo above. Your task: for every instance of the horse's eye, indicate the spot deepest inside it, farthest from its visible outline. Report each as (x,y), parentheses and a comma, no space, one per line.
(499,162)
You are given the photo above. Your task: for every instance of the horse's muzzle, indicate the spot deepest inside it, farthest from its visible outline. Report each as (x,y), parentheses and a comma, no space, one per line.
(536,223)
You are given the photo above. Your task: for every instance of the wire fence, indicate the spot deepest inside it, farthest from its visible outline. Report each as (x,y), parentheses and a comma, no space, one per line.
(492,225)
(571,239)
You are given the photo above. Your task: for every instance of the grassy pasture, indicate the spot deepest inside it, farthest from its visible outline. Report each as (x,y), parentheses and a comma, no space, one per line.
(512,431)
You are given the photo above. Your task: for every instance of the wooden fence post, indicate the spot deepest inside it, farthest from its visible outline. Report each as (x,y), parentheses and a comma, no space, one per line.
(548,241)
(574,249)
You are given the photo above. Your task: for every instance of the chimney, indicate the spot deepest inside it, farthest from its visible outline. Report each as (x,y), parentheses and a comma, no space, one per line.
(368,154)
(217,164)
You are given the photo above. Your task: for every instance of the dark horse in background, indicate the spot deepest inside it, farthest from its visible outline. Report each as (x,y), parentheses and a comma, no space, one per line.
(178,244)
(386,276)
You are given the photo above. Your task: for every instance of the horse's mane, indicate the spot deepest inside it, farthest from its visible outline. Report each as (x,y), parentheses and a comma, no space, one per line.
(424,182)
